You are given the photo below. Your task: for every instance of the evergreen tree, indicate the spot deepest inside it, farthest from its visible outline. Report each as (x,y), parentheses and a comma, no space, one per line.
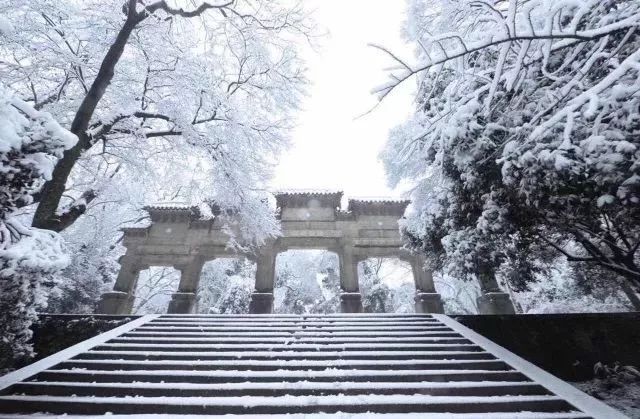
(30,143)
(525,138)
(376,295)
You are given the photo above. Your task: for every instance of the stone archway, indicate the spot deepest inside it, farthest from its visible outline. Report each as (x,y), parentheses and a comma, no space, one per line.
(179,237)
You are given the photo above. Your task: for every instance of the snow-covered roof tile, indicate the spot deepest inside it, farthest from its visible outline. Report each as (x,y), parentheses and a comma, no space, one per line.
(378,206)
(170,211)
(299,198)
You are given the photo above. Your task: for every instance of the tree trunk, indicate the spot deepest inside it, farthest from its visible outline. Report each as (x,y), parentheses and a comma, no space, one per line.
(632,295)
(51,193)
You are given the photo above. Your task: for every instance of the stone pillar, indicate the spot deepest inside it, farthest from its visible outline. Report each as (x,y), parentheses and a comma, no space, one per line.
(427,300)
(493,300)
(182,303)
(184,300)
(261,303)
(120,300)
(262,297)
(350,298)
(351,302)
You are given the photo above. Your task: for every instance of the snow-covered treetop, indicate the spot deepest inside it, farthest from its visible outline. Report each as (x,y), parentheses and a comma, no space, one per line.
(30,142)
(161,87)
(527,124)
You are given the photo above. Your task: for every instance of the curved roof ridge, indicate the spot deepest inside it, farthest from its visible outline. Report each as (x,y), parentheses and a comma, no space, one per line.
(307,192)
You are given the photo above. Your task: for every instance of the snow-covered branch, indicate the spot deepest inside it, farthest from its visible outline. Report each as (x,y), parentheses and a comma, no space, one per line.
(525,137)
(30,142)
(132,81)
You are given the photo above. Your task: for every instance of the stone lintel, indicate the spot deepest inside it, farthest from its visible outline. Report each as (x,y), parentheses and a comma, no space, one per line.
(312,233)
(164,247)
(384,242)
(163,260)
(378,207)
(291,243)
(211,252)
(204,224)
(345,216)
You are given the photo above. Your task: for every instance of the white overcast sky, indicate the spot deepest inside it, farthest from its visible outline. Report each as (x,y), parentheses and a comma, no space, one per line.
(332,148)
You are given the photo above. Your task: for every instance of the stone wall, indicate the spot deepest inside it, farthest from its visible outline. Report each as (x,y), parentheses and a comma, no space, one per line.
(567,345)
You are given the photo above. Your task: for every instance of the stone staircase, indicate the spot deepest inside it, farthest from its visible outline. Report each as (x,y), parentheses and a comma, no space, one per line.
(343,365)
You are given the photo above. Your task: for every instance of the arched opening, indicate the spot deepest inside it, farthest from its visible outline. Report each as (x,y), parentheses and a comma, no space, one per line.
(307,281)
(387,285)
(154,289)
(225,286)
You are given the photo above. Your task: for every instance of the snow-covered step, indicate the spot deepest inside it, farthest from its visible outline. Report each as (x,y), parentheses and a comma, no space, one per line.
(293,334)
(290,404)
(291,346)
(254,328)
(296,319)
(334,325)
(291,339)
(285,365)
(356,316)
(268,355)
(266,366)
(461,388)
(236,376)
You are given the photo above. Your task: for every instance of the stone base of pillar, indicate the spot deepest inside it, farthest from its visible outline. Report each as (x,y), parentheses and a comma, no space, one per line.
(495,303)
(428,302)
(350,302)
(115,302)
(261,303)
(182,303)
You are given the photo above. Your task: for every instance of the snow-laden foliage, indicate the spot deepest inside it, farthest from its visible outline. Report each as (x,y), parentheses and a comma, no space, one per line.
(198,92)
(226,286)
(526,134)
(30,143)
(376,294)
(572,288)
(154,289)
(90,273)
(94,239)
(386,285)
(458,296)
(93,242)
(307,281)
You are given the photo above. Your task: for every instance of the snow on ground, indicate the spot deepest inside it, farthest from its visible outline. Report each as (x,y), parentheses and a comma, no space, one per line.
(625,397)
